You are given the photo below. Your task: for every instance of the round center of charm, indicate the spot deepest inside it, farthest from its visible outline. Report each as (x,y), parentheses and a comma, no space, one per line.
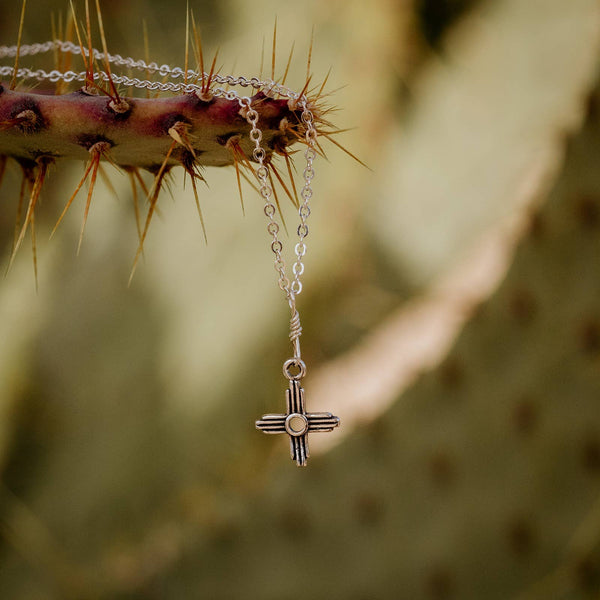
(296,424)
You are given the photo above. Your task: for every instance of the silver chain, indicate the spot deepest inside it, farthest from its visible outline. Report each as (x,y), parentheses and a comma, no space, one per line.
(292,288)
(268,86)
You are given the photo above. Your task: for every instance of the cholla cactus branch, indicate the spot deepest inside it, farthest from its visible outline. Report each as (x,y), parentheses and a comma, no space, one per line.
(204,124)
(67,126)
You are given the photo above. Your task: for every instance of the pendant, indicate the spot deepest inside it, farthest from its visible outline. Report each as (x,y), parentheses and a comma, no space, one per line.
(297,423)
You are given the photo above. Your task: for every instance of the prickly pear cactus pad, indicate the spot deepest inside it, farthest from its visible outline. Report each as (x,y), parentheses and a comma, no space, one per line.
(130,464)
(490,77)
(483,480)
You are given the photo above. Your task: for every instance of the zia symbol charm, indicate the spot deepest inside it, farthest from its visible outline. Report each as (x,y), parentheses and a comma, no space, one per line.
(297,423)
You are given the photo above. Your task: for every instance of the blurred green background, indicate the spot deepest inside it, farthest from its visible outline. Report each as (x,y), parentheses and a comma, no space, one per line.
(451,315)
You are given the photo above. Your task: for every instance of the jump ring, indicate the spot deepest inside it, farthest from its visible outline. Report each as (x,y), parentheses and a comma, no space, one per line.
(297,364)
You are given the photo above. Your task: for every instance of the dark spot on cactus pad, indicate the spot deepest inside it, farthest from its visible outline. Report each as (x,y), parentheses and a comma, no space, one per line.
(587,574)
(536,225)
(378,434)
(225,532)
(525,416)
(522,306)
(479,313)
(588,212)
(442,469)
(593,106)
(30,108)
(451,373)
(88,140)
(1,89)
(591,454)
(369,508)
(440,583)
(521,536)
(590,338)
(295,521)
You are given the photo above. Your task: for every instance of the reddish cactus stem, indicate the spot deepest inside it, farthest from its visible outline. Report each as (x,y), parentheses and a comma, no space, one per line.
(67,126)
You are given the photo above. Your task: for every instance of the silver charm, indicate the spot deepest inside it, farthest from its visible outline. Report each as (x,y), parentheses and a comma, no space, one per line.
(297,423)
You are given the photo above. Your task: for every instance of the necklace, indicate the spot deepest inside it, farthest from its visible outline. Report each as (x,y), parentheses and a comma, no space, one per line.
(296,421)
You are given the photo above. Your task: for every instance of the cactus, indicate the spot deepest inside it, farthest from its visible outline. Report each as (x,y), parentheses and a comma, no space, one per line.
(470,486)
